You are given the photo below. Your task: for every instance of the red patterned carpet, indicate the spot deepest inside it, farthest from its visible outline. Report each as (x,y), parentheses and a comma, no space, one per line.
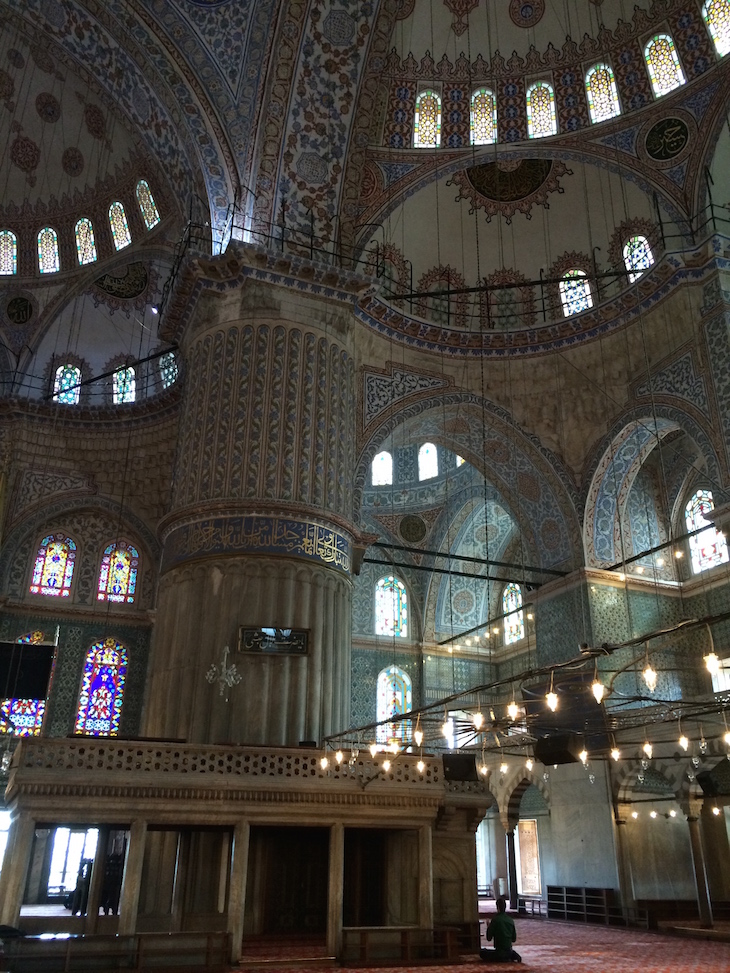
(556,947)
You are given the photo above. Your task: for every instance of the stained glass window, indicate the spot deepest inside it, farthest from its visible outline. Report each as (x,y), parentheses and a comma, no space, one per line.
(147,204)
(602,93)
(48,258)
(383,469)
(8,253)
(25,716)
(102,689)
(662,61)
(168,369)
(483,117)
(118,573)
(391,607)
(428,462)
(66,387)
(394,698)
(717,18)
(124,386)
(637,256)
(709,547)
(514,619)
(575,293)
(541,117)
(85,245)
(118,223)
(427,128)
(54,566)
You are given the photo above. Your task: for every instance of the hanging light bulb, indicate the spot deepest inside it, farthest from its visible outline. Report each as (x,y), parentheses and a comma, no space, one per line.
(503,768)
(478,721)
(716,810)
(551,697)
(648,749)
(393,745)
(726,738)
(418,735)
(324,763)
(712,663)
(652,814)
(583,756)
(598,689)
(684,742)
(616,753)
(386,765)
(484,770)
(672,813)
(421,766)
(634,815)
(529,764)
(649,677)
(373,749)
(513,710)
(339,756)
(446,725)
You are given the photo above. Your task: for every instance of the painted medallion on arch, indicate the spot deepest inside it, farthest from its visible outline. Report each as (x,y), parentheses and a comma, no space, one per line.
(509,186)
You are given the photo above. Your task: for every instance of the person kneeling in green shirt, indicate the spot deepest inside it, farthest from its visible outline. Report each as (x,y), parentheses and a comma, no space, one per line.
(502,930)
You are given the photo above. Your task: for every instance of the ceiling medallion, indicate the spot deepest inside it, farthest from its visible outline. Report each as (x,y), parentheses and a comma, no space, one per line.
(667,139)
(510,186)
(460,9)
(526,13)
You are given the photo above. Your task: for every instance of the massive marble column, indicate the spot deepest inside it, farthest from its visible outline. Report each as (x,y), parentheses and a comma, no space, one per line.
(260,529)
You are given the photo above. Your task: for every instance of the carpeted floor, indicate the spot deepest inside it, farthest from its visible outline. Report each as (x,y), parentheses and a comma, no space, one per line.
(557,947)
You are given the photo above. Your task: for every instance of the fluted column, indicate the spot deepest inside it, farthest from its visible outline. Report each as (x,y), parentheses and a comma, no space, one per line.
(260,531)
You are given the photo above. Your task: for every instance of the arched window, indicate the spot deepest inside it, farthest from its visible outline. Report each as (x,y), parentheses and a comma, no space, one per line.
(85,245)
(391,607)
(8,253)
(118,573)
(575,293)
(483,117)
(514,619)
(66,388)
(48,259)
(119,227)
(637,256)
(147,205)
(124,386)
(602,93)
(428,462)
(541,117)
(383,469)
(662,62)
(54,566)
(102,689)
(427,128)
(168,369)
(717,18)
(394,698)
(709,547)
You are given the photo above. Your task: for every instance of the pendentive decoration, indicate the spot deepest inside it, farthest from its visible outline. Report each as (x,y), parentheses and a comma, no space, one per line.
(460,9)
(526,13)
(510,186)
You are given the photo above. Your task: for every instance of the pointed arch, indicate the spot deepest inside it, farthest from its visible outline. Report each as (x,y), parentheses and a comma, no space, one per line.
(662,62)
(391,607)
(54,566)
(8,253)
(99,706)
(394,698)
(119,226)
(49,261)
(147,206)
(602,93)
(117,581)
(427,125)
(542,120)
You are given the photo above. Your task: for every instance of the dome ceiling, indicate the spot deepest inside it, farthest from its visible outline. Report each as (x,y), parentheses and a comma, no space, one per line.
(63,142)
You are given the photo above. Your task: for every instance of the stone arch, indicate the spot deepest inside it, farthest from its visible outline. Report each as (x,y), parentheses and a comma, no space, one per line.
(617,461)
(509,804)
(526,474)
(90,522)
